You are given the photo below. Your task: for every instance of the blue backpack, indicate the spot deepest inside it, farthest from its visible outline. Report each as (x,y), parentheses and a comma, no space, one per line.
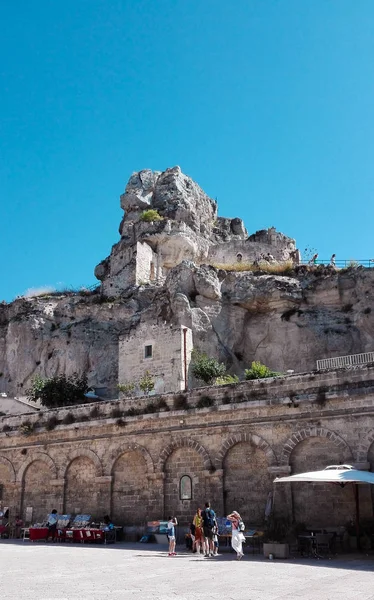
(209,518)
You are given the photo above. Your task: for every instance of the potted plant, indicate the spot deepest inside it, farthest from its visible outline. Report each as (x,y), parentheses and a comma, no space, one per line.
(277,536)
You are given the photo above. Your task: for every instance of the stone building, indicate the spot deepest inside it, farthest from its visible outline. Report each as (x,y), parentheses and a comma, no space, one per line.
(147,466)
(164,351)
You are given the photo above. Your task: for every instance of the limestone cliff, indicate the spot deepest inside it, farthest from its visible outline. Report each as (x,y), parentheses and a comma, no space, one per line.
(286,321)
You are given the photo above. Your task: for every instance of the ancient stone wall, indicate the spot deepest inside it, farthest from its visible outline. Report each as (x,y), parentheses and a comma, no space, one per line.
(146,264)
(227,254)
(163,351)
(232,451)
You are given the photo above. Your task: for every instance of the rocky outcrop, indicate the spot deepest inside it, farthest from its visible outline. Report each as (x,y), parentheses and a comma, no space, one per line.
(182,270)
(285,322)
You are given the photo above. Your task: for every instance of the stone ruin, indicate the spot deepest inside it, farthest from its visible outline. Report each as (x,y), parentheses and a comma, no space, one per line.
(189,229)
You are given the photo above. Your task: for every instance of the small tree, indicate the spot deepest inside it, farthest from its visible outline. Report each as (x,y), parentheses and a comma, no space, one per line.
(126,388)
(205,368)
(60,390)
(150,215)
(147,383)
(259,371)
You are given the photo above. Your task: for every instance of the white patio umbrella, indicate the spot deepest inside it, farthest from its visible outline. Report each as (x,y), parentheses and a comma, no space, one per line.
(340,474)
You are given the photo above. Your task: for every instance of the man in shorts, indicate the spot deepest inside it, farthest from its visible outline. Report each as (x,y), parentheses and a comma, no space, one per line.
(210,523)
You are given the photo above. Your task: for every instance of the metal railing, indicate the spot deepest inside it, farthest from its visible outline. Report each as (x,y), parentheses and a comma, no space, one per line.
(341,362)
(343,264)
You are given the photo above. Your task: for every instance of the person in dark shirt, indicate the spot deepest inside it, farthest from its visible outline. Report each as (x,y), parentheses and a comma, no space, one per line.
(210,522)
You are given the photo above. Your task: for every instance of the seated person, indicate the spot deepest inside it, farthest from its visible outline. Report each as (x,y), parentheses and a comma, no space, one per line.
(108,525)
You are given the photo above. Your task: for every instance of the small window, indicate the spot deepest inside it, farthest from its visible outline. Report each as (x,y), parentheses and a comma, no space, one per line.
(185,488)
(147,351)
(239,257)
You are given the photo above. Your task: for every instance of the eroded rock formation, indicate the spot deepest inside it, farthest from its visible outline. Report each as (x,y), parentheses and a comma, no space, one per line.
(285,321)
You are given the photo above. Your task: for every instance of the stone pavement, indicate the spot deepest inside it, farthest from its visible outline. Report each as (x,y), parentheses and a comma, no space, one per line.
(42,571)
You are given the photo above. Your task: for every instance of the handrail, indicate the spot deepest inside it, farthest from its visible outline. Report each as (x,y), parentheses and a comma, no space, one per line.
(341,264)
(341,362)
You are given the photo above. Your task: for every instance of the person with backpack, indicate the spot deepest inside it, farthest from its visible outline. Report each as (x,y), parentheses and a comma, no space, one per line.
(210,522)
(237,536)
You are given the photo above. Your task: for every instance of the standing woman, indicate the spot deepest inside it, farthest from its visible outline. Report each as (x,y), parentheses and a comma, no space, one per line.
(237,537)
(199,535)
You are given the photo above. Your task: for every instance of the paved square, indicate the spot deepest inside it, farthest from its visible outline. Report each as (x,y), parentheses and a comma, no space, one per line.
(136,571)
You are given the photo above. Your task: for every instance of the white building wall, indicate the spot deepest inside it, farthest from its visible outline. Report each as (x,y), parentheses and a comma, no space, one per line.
(171,356)
(146,263)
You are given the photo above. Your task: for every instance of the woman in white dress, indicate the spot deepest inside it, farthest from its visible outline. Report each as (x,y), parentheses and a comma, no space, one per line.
(237,538)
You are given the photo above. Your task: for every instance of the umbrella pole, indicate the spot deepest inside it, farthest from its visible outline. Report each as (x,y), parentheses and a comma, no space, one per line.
(357,499)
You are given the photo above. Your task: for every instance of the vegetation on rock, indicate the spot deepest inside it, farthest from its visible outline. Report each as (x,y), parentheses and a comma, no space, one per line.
(259,371)
(60,390)
(147,383)
(150,215)
(206,368)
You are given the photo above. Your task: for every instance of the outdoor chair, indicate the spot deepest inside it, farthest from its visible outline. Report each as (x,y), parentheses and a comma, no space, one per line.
(322,544)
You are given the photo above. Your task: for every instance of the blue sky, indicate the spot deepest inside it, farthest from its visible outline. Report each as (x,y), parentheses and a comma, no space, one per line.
(267,104)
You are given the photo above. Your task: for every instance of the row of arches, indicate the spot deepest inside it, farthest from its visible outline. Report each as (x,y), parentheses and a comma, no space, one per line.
(134,486)
(216,463)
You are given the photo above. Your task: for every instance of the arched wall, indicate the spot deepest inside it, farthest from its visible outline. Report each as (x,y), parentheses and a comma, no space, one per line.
(254,440)
(184,443)
(321,432)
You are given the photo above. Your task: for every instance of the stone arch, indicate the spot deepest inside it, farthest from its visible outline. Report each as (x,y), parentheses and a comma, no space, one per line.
(131,447)
(364,446)
(7,463)
(132,484)
(237,438)
(35,457)
(85,452)
(303,434)
(184,443)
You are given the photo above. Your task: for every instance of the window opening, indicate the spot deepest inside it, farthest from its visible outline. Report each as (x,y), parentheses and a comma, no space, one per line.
(148,351)
(185,488)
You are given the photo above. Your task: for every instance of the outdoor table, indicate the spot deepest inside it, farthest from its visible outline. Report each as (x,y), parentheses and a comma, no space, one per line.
(4,529)
(38,533)
(85,534)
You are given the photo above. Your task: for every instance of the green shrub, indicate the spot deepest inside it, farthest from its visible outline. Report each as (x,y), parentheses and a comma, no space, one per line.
(26,427)
(147,383)
(150,215)
(259,371)
(60,390)
(205,368)
(226,379)
(126,388)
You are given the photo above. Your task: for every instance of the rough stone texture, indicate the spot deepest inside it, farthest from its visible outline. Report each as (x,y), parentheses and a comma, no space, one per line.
(189,229)
(156,273)
(231,451)
(167,361)
(285,322)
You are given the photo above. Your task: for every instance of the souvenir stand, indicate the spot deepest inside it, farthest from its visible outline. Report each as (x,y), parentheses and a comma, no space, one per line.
(40,530)
(80,531)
